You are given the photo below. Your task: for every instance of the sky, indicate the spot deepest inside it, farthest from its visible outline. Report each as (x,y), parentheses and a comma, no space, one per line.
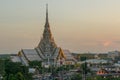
(78,25)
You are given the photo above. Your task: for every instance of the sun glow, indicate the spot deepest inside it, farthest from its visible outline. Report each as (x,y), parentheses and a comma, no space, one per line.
(107,43)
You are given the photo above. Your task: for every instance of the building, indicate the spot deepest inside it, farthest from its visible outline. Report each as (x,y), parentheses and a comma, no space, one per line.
(47,51)
(113,54)
(5,56)
(95,64)
(80,56)
(102,72)
(101,56)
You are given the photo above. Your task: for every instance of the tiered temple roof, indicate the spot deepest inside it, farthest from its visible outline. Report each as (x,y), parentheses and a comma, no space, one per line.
(47,50)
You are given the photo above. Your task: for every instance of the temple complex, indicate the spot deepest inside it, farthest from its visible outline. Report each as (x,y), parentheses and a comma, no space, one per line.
(47,51)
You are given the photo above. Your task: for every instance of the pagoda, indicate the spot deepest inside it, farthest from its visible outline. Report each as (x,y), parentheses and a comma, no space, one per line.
(47,50)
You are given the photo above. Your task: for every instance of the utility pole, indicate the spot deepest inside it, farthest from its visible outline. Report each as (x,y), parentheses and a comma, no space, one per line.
(48,65)
(61,70)
(84,70)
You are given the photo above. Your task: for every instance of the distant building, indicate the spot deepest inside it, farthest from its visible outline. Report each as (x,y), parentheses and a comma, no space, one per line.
(5,56)
(47,51)
(95,64)
(96,61)
(79,56)
(113,54)
(102,72)
(101,56)
(109,71)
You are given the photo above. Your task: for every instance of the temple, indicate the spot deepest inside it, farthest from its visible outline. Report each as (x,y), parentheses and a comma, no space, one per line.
(47,51)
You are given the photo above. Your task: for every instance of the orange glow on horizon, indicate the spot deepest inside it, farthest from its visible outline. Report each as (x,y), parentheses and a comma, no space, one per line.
(107,43)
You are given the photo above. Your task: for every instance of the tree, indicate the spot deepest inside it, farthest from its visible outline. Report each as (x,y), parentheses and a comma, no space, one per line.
(35,63)
(12,77)
(2,69)
(76,77)
(83,58)
(19,76)
(13,70)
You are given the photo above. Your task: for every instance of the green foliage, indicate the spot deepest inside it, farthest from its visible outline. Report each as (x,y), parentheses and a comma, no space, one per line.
(54,71)
(82,58)
(98,78)
(77,65)
(12,77)
(16,71)
(19,76)
(2,70)
(12,68)
(76,77)
(103,78)
(34,64)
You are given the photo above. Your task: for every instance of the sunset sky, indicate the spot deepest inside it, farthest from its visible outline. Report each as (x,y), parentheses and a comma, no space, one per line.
(77,25)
